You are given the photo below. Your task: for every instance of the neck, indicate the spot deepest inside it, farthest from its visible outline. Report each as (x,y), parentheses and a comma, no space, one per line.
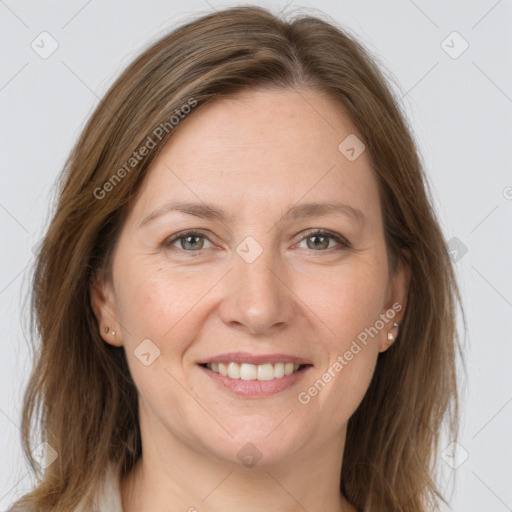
(178,477)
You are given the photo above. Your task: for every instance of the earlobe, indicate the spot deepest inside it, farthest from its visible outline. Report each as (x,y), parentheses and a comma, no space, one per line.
(391,335)
(396,301)
(102,303)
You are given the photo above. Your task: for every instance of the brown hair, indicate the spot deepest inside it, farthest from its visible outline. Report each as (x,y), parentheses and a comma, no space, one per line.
(81,394)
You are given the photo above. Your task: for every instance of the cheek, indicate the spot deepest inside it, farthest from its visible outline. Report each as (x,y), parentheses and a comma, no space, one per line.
(348,301)
(349,308)
(165,307)
(154,301)
(155,312)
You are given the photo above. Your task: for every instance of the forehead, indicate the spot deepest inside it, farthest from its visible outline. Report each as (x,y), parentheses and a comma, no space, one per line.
(267,149)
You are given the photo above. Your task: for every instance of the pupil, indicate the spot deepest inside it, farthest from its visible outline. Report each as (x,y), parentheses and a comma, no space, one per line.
(192,244)
(322,244)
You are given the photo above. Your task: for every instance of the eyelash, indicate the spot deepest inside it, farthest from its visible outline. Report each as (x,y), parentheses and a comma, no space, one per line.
(342,241)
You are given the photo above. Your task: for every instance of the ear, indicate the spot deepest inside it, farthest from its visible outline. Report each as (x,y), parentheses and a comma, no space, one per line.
(103,305)
(396,301)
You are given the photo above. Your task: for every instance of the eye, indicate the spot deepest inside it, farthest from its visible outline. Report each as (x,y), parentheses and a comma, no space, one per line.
(320,240)
(190,241)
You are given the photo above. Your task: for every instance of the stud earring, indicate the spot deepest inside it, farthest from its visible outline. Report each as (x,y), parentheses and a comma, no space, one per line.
(107,329)
(390,335)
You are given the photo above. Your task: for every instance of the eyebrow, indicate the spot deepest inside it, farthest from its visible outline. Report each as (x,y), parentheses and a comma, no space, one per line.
(301,211)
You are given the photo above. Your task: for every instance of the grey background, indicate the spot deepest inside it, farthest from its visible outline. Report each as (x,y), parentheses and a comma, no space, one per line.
(461,113)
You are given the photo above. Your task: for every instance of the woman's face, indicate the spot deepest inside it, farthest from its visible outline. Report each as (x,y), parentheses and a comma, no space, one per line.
(233,273)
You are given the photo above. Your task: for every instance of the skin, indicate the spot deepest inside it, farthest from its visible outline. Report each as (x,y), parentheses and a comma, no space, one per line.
(254,155)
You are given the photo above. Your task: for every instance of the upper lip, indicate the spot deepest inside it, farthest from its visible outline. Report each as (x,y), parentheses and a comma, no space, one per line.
(246,357)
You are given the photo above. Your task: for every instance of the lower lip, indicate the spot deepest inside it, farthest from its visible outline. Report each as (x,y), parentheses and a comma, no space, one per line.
(256,388)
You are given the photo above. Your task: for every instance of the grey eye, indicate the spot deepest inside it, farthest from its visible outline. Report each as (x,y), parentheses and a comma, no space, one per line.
(318,242)
(189,242)
(192,242)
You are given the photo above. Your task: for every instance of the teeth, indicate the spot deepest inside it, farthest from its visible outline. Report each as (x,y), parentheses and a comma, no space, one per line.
(234,370)
(265,371)
(246,371)
(279,370)
(223,369)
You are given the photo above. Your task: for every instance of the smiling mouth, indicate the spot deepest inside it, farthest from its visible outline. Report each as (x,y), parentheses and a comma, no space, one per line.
(247,371)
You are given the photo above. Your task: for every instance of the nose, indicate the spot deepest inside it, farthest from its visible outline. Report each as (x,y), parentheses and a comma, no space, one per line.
(257,297)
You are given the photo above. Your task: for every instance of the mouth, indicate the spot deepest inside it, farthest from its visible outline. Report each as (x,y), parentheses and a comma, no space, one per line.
(248,371)
(255,376)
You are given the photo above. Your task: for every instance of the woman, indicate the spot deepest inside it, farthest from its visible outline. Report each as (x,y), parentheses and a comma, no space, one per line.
(244,297)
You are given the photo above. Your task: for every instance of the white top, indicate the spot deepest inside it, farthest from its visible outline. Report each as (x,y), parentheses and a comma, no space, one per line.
(109,498)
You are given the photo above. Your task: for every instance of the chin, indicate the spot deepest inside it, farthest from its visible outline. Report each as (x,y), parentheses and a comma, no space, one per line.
(255,448)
